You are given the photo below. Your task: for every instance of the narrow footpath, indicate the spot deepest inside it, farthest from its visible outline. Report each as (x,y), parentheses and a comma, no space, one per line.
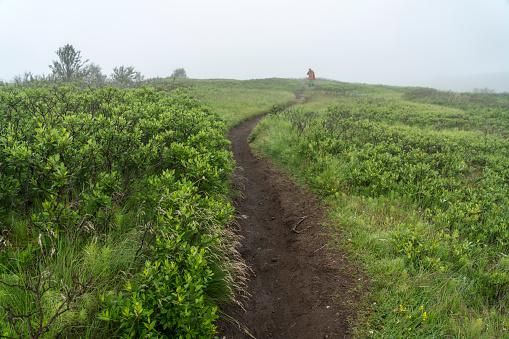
(298,287)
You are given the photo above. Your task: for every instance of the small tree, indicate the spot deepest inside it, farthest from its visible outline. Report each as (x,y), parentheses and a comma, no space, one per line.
(126,76)
(70,66)
(179,73)
(94,75)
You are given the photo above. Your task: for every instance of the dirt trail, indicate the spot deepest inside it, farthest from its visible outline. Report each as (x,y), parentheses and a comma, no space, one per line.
(297,286)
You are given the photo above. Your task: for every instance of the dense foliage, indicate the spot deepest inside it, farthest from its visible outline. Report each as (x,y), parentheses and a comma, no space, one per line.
(441,160)
(112,202)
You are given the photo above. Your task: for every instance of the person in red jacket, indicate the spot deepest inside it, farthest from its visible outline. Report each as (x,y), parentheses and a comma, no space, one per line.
(311,75)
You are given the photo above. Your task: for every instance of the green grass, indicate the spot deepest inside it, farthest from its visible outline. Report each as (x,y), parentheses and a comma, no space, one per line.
(238,100)
(424,250)
(237,105)
(416,184)
(66,267)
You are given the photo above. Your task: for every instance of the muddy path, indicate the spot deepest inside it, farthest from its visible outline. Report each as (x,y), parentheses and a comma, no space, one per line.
(298,287)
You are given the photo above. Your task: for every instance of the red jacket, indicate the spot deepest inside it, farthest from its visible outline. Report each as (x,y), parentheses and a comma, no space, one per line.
(311,75)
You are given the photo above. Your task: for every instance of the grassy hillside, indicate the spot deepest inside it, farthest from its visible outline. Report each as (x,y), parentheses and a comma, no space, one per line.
(237,100)
(112,199)
(417,182)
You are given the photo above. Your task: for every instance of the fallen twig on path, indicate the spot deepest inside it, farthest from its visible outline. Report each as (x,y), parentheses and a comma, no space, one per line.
(294,229)
(319,248)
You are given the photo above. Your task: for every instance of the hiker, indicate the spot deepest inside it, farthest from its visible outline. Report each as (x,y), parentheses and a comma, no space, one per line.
(311,75)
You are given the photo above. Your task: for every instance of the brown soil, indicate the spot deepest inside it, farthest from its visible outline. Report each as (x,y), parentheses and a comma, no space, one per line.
(298,286)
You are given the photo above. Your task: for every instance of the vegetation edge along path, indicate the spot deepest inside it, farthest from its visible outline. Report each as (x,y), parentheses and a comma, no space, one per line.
(297,289)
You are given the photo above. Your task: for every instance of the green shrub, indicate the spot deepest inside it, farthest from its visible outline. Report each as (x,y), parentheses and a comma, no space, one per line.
(419,189)
(93,183)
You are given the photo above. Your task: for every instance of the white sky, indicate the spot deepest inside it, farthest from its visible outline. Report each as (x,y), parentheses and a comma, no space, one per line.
(394,42)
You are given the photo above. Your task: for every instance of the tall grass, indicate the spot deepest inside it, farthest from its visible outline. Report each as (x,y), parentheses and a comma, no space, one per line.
(41,282)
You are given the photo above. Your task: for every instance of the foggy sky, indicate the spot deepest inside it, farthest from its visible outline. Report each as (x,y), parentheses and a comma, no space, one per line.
(437,43)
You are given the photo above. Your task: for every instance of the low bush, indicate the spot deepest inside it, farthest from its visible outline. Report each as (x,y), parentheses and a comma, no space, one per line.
(111,201)
(419,189)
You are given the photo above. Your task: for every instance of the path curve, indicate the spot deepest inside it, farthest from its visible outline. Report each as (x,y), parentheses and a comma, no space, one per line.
(297,288)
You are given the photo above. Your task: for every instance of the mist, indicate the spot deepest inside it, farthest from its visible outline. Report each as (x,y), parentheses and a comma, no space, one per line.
(456,45)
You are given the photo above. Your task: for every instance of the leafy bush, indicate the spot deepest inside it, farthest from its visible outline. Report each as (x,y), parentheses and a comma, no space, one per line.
(420,188)
(90,177)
